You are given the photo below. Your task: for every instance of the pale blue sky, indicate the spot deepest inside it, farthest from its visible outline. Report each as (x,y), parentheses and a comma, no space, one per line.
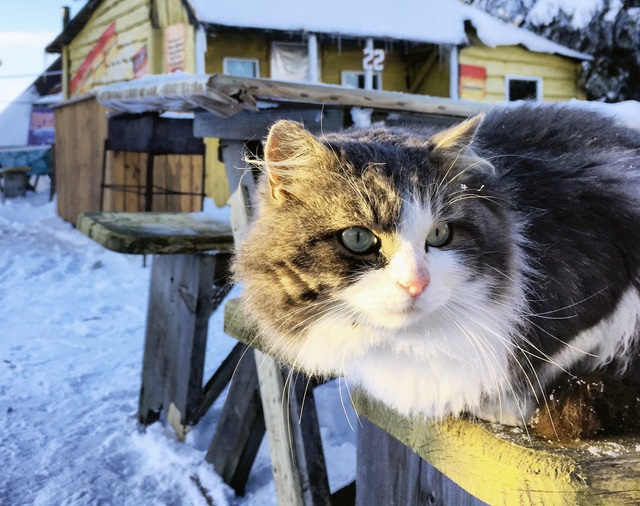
(26,27)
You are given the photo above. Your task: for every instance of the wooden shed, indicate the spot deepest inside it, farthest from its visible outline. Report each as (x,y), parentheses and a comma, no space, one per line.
(442,48)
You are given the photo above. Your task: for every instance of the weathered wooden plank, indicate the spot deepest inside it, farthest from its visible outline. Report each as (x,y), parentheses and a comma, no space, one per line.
(174,200)
(196,185)
(177,321)
(241,179)
(160,184)
(251,90)
(500,465)
(389,472)
(254,125)
(307,440)
(283,460)
(156,233)
(133,192)
(119,171)
(294,432)
(227,95)
(239,326)
(185,178)
(82,129)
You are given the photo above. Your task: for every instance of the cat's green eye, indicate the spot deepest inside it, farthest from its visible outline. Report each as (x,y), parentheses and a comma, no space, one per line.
(358,240)
(439,235)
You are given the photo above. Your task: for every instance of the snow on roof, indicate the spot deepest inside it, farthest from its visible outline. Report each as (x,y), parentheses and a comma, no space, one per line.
(433,21)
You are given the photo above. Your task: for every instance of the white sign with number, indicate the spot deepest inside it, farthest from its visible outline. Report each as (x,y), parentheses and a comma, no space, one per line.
(373,59)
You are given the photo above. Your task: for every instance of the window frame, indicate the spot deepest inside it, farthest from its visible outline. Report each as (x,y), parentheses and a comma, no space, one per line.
(536,79)
(227,59)
(345,73)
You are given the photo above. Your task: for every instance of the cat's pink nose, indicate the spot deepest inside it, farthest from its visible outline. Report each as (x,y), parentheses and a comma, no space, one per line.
(414,286)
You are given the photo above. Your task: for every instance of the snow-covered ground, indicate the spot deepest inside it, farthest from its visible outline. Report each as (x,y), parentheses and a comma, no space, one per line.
(72,318)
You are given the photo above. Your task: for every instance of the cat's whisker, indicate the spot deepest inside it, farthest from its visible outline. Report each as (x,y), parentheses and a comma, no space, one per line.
(534,390)
(340,379)
(498,388)
(540,355)
(506,342)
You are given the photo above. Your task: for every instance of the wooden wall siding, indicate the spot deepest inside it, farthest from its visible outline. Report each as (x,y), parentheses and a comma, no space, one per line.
(126,178)
(81,128)
(134,31)
(171,12)
(237,44)
(560,75)
(132,20)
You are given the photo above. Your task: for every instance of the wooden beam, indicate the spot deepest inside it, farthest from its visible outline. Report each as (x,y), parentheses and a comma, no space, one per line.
(287,480)
(389,472)
(227,96)
(176,335)
(251,91)
(255,125)
(425,68)
(503,465)
(218,382)
(241,428)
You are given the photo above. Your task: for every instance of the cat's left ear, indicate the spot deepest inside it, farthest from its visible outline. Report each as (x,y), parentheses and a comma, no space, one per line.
(454,146)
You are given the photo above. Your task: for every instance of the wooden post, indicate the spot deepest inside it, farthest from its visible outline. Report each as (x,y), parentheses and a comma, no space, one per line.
(285,477)
(241,428)
(297,459)
(177,322)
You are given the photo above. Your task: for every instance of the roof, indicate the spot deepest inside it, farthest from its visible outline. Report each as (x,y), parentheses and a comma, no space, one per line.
(226,96)
(427,21)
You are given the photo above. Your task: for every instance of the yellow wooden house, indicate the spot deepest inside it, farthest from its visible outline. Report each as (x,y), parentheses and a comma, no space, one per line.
(442,48)
(436,47)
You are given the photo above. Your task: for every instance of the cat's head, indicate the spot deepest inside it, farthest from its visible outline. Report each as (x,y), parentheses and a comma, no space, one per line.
(371,233)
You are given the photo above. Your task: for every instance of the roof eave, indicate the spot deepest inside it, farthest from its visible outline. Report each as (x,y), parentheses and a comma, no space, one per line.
(73,27)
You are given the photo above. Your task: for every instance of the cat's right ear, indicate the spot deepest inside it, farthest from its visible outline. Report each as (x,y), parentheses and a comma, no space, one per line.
(291,154)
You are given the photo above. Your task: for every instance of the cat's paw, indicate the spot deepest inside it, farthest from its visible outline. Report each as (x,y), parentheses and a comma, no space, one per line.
(588,406)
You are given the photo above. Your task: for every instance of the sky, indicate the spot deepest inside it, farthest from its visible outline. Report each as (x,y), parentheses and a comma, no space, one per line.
(26,28)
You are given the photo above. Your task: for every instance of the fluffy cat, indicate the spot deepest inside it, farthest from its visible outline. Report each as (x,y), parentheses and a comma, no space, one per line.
(451,271)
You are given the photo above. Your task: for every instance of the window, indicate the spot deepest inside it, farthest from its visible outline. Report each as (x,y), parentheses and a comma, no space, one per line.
(240,67)
(523,88)
(289,61)
(355,79)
